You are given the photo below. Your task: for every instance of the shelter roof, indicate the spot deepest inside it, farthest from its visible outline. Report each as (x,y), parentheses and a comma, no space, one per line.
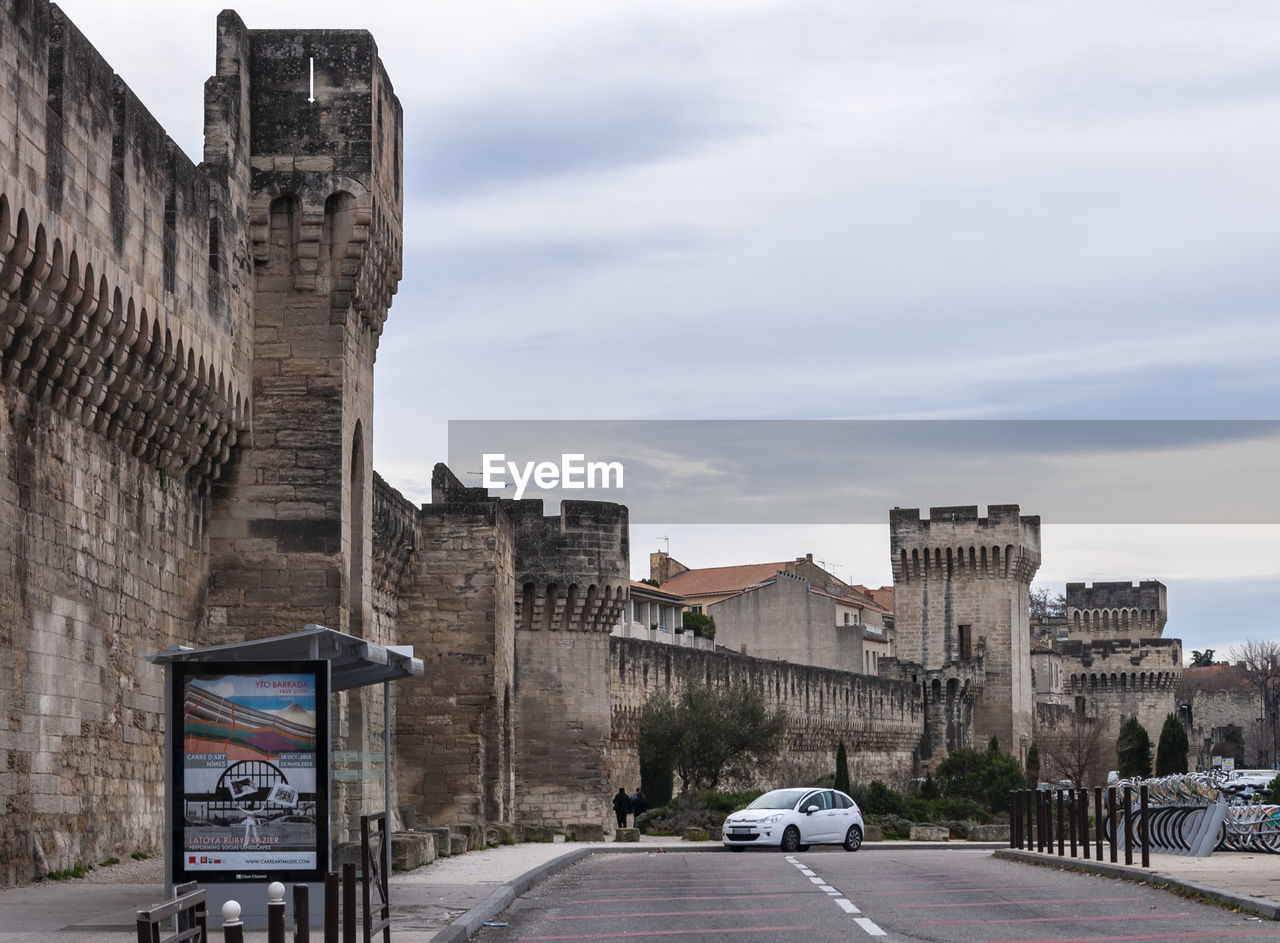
(354,662)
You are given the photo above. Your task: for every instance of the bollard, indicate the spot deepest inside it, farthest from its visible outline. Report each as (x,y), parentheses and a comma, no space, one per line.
(1082,806)
(331,898)
(1031,820)
(1128,825)
(232,928)
(275,912)
(301,914)
(348,903)
(1015,819)
(1061,830)
(1097,817)
(1112,825)
(1073,816)
(1144,827)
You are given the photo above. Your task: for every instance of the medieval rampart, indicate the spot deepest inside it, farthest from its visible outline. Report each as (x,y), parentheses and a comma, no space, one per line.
(880,721)
(1117,610)
(144,301)
(1113,679)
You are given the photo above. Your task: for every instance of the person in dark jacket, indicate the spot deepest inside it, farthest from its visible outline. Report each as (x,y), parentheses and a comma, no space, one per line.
(621,807)
(639,805)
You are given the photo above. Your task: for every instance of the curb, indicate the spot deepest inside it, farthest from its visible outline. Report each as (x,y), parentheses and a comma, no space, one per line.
(1267,909)
(465,926)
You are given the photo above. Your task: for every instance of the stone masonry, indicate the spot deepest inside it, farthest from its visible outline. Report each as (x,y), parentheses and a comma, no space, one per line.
(186,357)
(961,587)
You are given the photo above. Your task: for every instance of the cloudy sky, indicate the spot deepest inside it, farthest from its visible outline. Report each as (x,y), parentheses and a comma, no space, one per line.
(748,209)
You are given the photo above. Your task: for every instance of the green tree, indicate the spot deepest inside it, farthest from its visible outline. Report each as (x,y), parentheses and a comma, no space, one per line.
(700,625)
(1133,750)
(706,732)
(1171,752)
(842,768)
(1202,659)
(1033,766)
(986,778)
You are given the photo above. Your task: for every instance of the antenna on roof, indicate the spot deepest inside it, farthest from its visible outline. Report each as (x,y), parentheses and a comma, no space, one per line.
(668,540)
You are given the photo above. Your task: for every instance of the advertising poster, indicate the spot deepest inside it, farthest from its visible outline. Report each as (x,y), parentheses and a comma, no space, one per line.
(252,768)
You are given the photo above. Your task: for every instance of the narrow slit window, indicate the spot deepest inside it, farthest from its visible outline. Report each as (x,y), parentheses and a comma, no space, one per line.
(311,86)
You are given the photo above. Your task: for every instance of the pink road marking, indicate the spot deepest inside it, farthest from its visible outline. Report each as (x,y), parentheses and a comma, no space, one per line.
(1021,903)
(701,931)
(951,923)
(1201,935)
(681,913)
(628,900)
(966,890)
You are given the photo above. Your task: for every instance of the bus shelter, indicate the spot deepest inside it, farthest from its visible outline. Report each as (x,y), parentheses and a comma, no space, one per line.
(248,746)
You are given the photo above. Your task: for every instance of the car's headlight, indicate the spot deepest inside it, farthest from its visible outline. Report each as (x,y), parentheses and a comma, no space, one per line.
(770,819)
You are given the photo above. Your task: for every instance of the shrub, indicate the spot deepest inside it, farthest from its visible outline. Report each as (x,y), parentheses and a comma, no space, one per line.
(841,781)
(1133,750)
(881,800)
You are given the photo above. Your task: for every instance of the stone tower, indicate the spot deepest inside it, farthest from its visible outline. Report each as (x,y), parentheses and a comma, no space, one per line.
(571,585)
(308,124)
(961,587)
(1117,610)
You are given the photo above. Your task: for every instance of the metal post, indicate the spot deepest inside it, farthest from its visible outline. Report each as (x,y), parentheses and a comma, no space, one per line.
(1144,827)
(1098,820)
(331,899)
(301,914)
(1046,838)
(275,912)
(1128,825)
(348,903)
(1073,816)
(386,786)
(1082,807)
(232,928)
(1015,819)
(1113,825)
(1030,836)
(1061,830)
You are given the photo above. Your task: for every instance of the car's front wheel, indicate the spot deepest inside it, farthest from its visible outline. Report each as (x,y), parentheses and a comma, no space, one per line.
(790,840)
(853,838)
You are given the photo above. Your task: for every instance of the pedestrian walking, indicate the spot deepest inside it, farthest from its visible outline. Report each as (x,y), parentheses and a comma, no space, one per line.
(639,806)
(621,807)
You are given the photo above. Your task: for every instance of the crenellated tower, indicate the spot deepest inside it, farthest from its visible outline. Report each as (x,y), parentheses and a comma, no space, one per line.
(310,130)
(961,585)
(1117,610)
(572,576)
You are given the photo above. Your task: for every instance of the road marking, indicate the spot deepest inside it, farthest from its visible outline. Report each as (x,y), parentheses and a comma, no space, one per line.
(699,932)
(680,913)
(843,903)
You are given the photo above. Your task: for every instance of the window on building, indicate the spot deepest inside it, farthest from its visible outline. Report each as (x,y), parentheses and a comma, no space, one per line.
(966,641)
(846,618)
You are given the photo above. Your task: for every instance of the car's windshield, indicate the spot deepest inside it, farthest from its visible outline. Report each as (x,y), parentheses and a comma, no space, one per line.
(779,799)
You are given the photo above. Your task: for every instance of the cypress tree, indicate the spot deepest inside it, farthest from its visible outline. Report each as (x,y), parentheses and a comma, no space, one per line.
(1133,750)
(842,768)
(1171,753)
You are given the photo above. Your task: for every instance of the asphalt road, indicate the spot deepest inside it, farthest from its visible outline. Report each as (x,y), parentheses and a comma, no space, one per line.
(953,895)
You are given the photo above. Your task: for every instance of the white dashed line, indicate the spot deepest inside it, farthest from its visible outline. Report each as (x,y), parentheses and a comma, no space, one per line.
(869,926)
(848,906)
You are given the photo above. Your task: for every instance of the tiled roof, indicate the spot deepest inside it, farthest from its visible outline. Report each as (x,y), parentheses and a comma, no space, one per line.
(720,579)
(883,596)
(1040,645)
(648,589)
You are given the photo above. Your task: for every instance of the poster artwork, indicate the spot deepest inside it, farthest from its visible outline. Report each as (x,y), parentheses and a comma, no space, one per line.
(250,773)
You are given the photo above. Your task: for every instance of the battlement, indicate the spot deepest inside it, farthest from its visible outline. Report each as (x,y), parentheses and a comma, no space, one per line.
(956,542)
(1120,655)
(1117,610)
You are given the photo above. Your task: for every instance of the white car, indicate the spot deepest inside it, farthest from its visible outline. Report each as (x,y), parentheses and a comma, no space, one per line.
(794,819)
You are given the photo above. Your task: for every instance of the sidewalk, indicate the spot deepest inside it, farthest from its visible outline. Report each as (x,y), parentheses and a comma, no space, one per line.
(448,900)
(1244,880)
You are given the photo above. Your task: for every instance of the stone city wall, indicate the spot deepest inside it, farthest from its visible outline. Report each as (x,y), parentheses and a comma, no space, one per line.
(880,721)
